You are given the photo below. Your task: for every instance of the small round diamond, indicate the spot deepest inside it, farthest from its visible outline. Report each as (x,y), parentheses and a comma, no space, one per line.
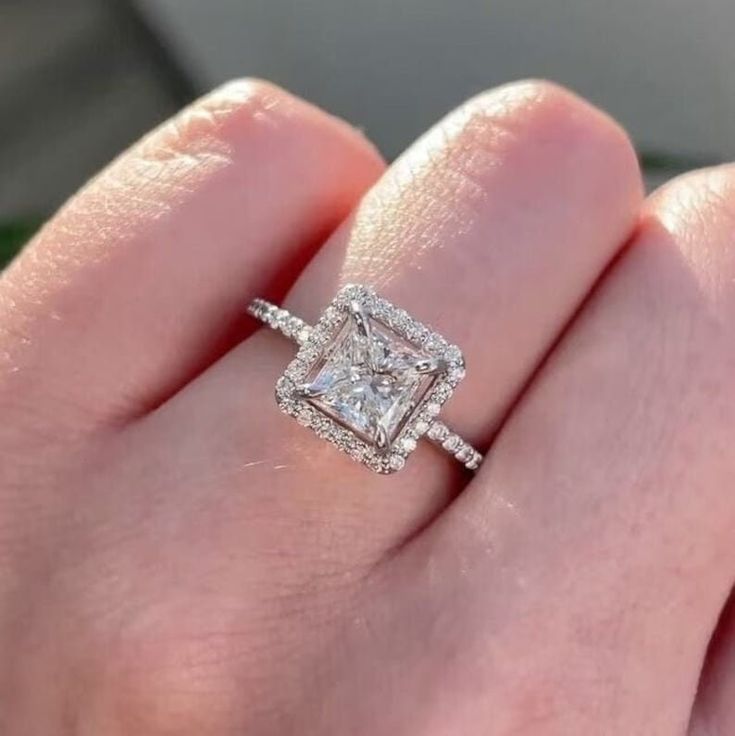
(308,355)
(330,316)
(465,454)
(432,408)
(416,333)
(451,443)
(356,451)
(351,291)
(304,417)
(295,369)
(435,343)
(442,393)
(438,432)
(396,462)
(421,426)
(408,444)
(456,373)
(284,385)
(400,319)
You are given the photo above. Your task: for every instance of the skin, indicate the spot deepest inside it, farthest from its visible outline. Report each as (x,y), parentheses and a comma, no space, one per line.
(177,557)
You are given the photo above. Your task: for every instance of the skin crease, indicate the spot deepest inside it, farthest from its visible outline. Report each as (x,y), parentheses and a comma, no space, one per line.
(176,557)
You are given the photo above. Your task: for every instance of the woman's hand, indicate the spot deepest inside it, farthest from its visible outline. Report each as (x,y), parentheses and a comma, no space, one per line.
(178,557)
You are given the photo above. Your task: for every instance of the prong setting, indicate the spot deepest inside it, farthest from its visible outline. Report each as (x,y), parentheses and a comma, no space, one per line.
(430,366)
(361,320)
(309,391)
(381,439)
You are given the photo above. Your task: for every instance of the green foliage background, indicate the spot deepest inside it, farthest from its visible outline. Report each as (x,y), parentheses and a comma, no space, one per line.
(13,235)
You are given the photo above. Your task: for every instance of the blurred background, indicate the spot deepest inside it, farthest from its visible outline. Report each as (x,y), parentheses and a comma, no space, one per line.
(81,79)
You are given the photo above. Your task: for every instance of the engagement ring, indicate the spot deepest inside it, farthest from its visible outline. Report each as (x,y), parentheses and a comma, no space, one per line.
(369,378)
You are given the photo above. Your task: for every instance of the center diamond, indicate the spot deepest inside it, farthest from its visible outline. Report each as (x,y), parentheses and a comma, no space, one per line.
(371,379)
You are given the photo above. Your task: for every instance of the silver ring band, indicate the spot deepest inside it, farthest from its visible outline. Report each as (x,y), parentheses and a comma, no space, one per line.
(297,330)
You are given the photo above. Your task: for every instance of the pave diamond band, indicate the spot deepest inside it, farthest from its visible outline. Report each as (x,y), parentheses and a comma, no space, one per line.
(369,378)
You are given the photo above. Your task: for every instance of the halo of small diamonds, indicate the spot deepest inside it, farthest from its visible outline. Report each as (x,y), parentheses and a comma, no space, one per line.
(318,343)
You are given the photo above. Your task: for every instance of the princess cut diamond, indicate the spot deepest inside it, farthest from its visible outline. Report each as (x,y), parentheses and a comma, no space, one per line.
(370,380)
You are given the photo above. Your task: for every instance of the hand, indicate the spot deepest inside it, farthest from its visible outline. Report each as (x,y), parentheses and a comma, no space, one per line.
(178,557)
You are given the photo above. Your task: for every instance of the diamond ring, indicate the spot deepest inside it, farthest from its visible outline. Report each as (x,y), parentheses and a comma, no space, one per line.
(369,378)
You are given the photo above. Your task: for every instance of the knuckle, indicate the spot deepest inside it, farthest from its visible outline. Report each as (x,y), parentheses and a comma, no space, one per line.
(213,124)
(698,210)
(547,112)
(515,104)
(540,128)
(701,198)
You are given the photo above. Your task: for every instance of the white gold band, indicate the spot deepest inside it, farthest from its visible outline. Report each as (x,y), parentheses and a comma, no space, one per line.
(300,332)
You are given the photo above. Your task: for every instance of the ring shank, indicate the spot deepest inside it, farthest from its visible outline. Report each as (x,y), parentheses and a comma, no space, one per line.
(295,329)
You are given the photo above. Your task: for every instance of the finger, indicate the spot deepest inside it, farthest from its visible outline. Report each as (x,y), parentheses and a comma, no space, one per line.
(475,234)
(602,522)
(492,228)
(137,283)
